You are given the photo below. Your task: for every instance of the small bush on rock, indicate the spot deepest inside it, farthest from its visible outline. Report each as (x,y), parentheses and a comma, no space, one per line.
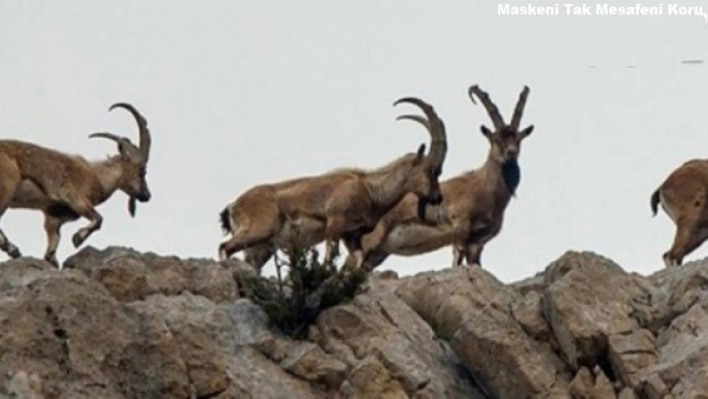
(294,301)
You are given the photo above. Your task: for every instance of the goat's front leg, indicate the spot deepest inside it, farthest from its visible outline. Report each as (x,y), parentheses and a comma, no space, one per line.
(333,231)
(458,253)
(87,211)
(355,257)
(331,251)
(473,255)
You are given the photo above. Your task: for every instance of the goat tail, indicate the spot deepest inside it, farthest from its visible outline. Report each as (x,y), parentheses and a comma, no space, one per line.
(655,199)
(225,221)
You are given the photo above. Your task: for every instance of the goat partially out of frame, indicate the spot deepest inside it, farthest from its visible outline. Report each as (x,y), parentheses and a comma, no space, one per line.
(472,210)
(66,187)
(684,197)
(342,204)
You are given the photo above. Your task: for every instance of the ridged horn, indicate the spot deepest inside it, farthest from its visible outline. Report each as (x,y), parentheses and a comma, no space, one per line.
(145,140)
(435,126)
(492,109)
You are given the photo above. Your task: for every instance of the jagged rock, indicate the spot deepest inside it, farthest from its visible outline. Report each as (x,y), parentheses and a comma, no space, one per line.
(587,299)
(632,353)
(24,385)
(18,273)
(371,379)
(528,312)
(471,309)
(131,276)
(591,385)
(257,376)
(655,388)
(532,284)
(603,388)
(311,363)
(683,356)
(117,323)
(582,384)
(676,291)
(378,324)
(628,393)
(80,342)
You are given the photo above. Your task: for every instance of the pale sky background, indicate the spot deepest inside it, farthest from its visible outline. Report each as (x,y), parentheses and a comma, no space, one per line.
(239,93)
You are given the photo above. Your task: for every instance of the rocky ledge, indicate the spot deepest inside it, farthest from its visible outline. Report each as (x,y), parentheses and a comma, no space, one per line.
(121,324)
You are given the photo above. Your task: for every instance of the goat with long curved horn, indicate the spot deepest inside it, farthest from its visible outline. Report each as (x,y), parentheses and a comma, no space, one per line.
(342,204)
(136,154)
(66,187)
(473,205)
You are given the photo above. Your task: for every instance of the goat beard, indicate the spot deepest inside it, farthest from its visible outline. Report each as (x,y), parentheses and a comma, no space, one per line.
(132,205)
(511,174)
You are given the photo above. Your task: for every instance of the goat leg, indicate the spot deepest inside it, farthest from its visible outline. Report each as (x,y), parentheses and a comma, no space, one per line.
(52,225)
(332,251)
(8,247)
(89,213)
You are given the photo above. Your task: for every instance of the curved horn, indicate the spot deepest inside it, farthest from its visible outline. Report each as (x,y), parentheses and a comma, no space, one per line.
(436,127)
(492,109)
(109,136)
(519,110)
(142,126)
(124,145)
(416,118)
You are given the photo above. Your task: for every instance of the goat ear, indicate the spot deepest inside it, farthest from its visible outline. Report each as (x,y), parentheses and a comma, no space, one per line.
(123,151)
(485,131)
(420,155)
(526,132)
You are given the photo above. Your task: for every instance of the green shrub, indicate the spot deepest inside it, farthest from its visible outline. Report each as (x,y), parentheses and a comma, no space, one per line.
(294,301)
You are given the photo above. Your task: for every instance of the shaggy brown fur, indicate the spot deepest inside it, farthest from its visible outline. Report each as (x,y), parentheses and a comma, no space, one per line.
(65,187)
(341,204)
(683,196)
(473,205)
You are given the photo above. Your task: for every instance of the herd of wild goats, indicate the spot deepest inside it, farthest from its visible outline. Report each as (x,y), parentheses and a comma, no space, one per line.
(400,208)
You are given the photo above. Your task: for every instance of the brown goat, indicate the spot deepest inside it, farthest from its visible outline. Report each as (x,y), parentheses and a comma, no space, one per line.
(473,205)
(65,187)
(683,197)
(342,204)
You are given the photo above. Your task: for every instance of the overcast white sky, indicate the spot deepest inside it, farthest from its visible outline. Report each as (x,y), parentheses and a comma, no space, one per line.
(245,92)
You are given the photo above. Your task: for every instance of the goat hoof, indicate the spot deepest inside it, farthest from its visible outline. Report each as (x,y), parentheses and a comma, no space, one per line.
(77,239)
(14,252)
(52,259)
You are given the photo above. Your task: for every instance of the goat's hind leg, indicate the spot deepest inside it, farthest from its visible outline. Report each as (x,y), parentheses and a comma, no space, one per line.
(258,255)
(52,226)
(8,185)
(8,247)
(689,236)
(244,238)
(333,232)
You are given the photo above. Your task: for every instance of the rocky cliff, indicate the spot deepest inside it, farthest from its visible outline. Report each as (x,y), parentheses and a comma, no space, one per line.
(121,324)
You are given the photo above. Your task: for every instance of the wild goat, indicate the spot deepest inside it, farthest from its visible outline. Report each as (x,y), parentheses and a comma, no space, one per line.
(65,187)
(683,197)
(473,205)
(342,204)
